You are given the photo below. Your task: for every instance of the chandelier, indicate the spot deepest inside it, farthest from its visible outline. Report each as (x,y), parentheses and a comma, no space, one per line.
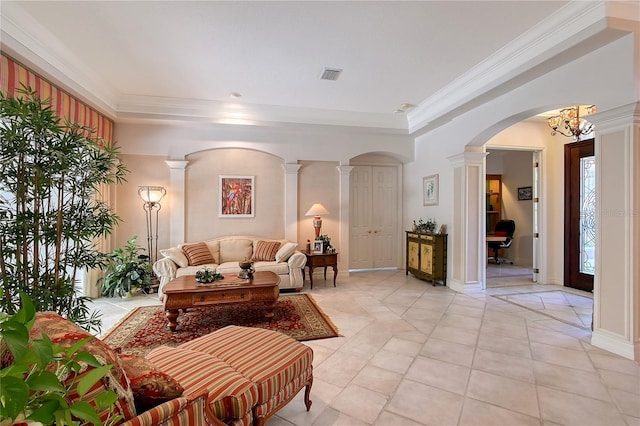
(569,123)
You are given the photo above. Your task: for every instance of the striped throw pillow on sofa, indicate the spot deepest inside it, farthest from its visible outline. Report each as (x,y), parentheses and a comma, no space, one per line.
(265,250)
(198,254)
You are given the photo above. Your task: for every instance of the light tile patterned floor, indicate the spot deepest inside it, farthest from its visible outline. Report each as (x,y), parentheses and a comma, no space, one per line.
(413,354)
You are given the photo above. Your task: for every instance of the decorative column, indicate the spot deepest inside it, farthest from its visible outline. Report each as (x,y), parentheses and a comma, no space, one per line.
(345,185)
(616,300)
(177,201)
(291,201)
(467,245)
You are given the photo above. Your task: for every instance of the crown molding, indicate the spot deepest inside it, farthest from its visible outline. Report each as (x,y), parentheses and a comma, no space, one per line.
(538,44)
(240,113)
(28,42)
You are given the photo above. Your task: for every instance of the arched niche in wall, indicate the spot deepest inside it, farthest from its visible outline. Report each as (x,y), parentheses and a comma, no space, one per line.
(203,194)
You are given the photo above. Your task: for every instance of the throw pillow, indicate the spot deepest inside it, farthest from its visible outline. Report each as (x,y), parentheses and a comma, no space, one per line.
(176,255)
(198,254)
(150,386)
(265,251)
(286,251)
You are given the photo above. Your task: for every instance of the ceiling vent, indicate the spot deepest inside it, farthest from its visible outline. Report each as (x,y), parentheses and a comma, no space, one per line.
(331,74)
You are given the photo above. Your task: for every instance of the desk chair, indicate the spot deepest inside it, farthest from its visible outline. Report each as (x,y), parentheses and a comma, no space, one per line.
(503,228)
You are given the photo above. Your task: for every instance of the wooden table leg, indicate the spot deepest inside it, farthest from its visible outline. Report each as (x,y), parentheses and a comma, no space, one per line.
(311,276)
(335,274)
(172,316)
(269,307)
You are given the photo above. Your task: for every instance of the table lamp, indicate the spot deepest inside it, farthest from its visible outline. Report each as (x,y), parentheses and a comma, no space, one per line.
(317,210)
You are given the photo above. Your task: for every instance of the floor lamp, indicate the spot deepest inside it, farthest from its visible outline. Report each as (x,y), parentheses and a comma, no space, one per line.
(151,195)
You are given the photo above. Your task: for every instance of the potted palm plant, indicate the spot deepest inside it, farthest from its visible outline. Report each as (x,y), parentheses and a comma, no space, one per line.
(51,213)
(127,271)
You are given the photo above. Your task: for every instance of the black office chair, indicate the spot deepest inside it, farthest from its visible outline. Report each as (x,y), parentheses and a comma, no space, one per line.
(504,228)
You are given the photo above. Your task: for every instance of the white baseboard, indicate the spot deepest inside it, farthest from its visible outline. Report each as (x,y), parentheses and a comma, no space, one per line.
(461,287)
(617,344)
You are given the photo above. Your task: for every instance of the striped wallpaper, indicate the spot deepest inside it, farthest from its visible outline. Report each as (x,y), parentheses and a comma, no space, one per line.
(13,74)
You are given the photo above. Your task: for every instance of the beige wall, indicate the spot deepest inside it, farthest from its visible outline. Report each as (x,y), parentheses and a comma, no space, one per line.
(144,170)
(318,182)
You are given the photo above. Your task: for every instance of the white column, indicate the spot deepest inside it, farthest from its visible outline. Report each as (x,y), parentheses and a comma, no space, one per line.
(345,184)
(616,301)
(291,201)
(176,201)
(467,245)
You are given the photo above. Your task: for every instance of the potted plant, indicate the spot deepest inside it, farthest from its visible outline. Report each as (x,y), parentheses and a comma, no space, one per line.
(127,271)
(422,227)
(34,378)
(208,275)
(51,212)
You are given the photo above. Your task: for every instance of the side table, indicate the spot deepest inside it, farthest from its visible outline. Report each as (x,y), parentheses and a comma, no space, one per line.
(321,260)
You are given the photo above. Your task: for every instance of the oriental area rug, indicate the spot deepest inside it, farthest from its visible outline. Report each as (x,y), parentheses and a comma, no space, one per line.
(145,328)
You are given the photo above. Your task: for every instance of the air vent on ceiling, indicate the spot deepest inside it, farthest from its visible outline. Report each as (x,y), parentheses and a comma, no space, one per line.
(330,74)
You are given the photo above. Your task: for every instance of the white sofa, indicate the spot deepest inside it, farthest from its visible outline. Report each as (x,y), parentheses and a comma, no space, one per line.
(226,253)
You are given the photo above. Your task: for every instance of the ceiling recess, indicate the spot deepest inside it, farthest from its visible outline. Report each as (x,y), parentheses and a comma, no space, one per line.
(330,74)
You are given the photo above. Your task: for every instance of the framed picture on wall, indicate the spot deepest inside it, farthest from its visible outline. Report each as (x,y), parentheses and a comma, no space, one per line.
(525,193)
(236,196)
(430,190)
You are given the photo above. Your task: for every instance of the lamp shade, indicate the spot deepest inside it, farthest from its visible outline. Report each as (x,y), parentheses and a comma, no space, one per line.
(151,194)
(317,210)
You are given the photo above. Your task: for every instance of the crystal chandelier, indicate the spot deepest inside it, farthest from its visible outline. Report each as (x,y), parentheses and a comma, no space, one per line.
(569,123)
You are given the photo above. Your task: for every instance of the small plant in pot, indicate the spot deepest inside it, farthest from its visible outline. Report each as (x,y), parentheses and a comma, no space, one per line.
(207,275)
(127,271)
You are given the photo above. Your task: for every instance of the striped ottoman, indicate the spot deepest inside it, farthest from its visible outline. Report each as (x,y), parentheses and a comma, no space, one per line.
(278,365)
(230,396)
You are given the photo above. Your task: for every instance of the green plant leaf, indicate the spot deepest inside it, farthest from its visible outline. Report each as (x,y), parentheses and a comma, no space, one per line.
(16,336)
(45,414)
(76,346)
(27,311)
(84,410)
(43,351)
(88,358)
(45,381)
(106,399)
(91,378)
(14,394)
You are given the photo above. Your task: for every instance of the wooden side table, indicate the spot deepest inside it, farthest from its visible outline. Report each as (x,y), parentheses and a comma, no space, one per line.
(321,260)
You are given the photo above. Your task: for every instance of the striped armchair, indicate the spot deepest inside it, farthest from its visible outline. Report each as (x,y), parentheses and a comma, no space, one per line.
(188,409)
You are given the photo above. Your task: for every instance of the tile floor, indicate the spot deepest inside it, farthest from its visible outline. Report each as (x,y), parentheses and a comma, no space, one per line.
(413,354)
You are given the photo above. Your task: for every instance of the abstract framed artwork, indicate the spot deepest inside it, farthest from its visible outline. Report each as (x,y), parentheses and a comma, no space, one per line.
(236,196)
(430,190)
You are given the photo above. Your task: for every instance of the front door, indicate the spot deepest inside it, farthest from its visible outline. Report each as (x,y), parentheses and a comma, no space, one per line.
(580,226)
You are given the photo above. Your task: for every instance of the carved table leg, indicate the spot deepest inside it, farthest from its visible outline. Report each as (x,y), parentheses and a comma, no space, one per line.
(307,393)
(172,316)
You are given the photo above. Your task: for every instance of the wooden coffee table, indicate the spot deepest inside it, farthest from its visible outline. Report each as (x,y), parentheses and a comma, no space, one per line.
(185,292)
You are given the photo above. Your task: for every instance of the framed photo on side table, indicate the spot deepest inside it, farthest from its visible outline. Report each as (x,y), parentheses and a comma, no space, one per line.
(430,190)
(317,247)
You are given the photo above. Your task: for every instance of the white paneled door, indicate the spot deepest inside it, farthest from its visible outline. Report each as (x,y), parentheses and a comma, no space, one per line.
(375,210)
